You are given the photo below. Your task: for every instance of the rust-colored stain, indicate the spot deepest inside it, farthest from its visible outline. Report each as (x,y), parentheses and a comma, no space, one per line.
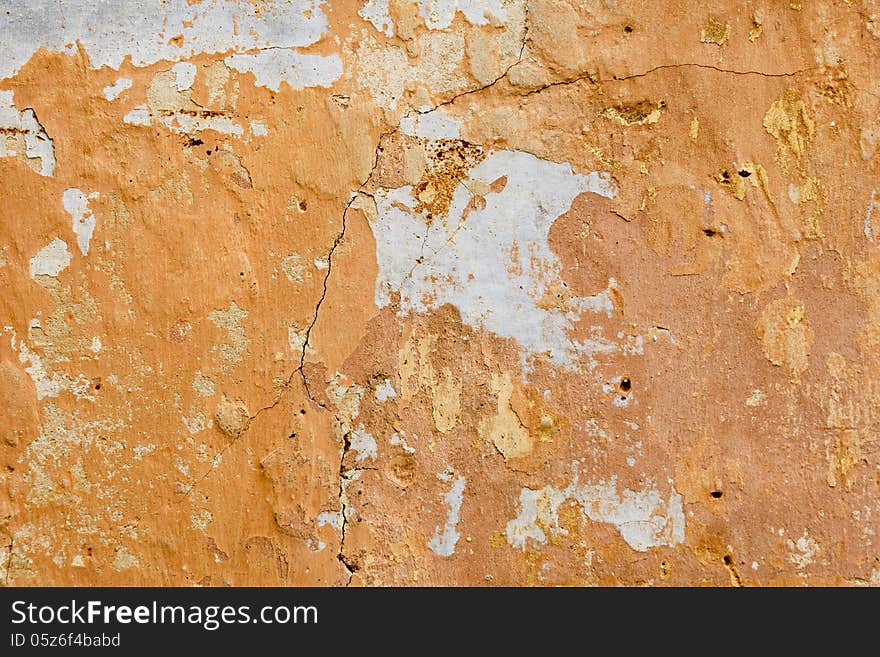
(508,292)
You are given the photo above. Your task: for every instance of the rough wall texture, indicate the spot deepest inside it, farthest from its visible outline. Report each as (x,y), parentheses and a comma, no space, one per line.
(471,292)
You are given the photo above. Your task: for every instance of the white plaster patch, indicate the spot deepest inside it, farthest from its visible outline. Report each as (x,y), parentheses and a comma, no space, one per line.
(184,123)
(444,540)
(364,444)
(804,550)
(203,385)
(869,226)
(37,144)
(123,559)
(201,520)
(139,115)
(140,451)
(431,125)
(756,398)
(51,260)
(259,128)
(45,385)
(194,424)
(272,67)
(332,518)
(315,546)
(184,75)
(378,14)
(495,265)
(399,440)
(110,31)
(113,91)
(643,518)
(385,391)
(437,14)
(77,205)
(621,401)
(296,338)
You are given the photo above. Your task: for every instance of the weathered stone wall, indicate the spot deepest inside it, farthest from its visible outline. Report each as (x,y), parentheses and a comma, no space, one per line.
(479,292)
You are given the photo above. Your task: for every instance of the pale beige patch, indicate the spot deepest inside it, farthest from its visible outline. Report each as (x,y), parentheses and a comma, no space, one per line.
(446,402)
(785,334)
(232,417)
(505,430)
(230,320)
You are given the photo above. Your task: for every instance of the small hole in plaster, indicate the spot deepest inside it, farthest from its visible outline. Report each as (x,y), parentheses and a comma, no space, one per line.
(625,384)
(717,494)
(745,174)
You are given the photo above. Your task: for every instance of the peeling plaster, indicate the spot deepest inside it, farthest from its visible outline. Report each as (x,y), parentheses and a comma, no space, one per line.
(77,205)
(272,67)
(472,261)
(35,143)
(643,518)
(109,32)
(437,14)
(364,444)
(51,260)
(444,540)
(113,91)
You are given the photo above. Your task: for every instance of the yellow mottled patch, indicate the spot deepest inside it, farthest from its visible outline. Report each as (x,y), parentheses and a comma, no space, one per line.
(737,181)
(842,452)
(505,430)
(648,198)
(756,29)
(789,123)
(641,113)
(715,32)
(785,334)
(498,540)
(547,427)
(535,561)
